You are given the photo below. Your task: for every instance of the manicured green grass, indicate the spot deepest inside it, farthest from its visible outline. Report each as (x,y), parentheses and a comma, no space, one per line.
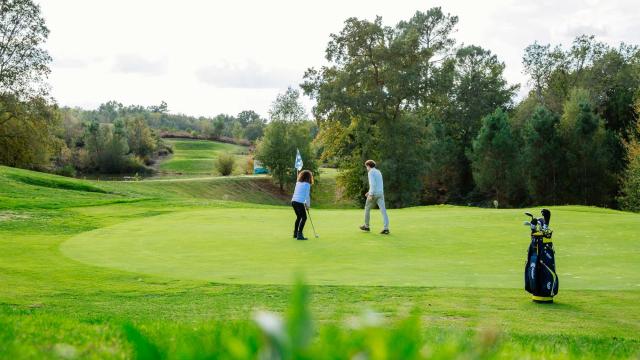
(429,246)
(197,157)
(53,306)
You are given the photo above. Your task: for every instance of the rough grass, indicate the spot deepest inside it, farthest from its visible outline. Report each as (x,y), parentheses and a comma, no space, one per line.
(325,193)
(52,306)
(54,182)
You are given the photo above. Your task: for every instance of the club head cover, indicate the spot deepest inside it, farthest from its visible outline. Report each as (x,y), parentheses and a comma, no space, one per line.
(546,214)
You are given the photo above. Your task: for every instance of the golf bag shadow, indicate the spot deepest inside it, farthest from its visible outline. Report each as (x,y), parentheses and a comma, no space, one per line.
(540,278)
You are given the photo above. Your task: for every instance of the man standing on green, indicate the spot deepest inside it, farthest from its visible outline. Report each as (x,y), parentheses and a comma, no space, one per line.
(375,195)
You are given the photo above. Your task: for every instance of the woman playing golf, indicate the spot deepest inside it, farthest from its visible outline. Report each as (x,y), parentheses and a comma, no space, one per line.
(301,201)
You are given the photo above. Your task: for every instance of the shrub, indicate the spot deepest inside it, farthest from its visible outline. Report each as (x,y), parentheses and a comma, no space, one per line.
(225,163)
(249,168)
(66,170)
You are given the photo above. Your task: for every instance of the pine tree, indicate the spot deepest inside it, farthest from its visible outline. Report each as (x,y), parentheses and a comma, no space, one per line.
(494,158)
(543,157)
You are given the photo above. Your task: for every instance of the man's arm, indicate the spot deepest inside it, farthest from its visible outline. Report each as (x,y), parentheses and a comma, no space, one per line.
(372,182)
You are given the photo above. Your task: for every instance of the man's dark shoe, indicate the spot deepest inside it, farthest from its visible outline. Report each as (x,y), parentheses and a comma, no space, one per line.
(301,237)
(295,234)
(385,232)
(364,228)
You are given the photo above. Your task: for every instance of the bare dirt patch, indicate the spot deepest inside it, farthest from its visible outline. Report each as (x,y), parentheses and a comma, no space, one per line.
(11,215)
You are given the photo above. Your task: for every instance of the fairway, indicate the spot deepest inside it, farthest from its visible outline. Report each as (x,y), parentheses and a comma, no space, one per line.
(197,157)
(441,246)
(79,258)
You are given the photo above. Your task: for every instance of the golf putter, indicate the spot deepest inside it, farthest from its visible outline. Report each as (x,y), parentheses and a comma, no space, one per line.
(312,226)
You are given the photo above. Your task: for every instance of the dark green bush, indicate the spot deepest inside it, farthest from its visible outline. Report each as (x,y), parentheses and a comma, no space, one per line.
(67,170)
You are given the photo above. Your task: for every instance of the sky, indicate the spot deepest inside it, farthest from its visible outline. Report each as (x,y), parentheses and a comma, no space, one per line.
(206,57)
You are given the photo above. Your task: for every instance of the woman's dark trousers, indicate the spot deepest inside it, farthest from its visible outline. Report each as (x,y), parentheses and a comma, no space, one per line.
(301,217)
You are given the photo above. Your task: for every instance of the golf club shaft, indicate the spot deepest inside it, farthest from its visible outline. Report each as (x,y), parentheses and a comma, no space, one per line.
(312,226)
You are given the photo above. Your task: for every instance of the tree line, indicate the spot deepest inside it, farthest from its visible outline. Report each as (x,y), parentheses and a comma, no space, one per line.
(111,139)
(440,118)
(246,125)
(442,121)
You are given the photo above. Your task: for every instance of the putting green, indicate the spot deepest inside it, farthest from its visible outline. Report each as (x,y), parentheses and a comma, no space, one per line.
(440,246)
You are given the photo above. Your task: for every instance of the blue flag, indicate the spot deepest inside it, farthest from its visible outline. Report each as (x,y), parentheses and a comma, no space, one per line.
(298,164)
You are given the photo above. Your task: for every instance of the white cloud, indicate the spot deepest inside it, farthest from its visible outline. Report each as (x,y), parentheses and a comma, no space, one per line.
(137,64)
(61,62)
(249,75)
(208,57)
(588,29)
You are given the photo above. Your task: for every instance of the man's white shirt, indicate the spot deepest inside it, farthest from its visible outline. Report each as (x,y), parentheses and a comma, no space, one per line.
(376,186)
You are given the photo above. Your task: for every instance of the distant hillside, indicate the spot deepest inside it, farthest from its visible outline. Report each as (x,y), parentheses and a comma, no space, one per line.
(197,157)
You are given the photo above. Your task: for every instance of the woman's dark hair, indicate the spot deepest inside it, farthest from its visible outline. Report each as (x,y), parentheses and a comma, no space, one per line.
(370,163)
(305,176)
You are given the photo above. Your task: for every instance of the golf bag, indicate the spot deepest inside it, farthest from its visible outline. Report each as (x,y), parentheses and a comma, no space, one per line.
(540,277)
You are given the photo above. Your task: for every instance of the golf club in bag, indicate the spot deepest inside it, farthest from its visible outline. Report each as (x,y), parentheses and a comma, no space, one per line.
(313,227)
(540,278)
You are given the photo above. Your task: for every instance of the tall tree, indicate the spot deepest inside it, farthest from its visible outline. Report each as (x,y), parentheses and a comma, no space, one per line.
(109,147)
(28,138)
(630,190)
(163,108)
(403,164)
(543,157)
(495,158)
(285,133)
(588,153)
(377,71)
(377,77)
(287,107)
(27,122)
(443,158)
(23,58)
(254,130)
(277,150)
(140,138)
(109,111)
(218,127)
(248,116)
(539,63)
(478,88)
